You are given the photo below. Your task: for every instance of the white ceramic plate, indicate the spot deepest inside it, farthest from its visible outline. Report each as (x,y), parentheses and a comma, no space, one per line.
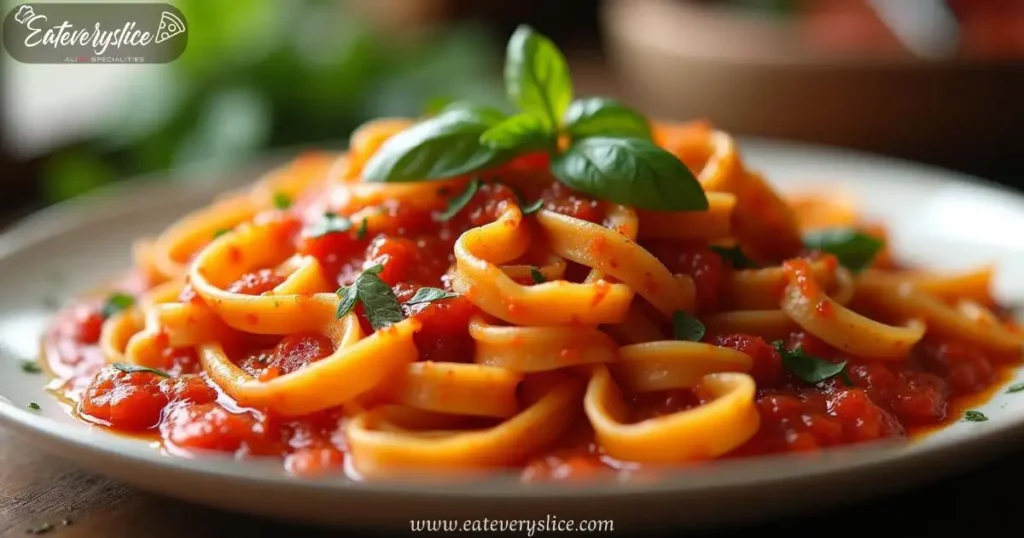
(938,219)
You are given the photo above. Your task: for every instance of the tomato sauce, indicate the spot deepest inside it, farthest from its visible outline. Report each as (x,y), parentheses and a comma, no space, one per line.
(873,400)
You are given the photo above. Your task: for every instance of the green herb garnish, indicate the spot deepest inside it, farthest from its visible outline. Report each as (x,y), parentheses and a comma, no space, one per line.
(117,302)
(686,327)
(530,209)
(600,116)
(440,147)
(629,171)
(1016,387)
(808,367)
(34,406)
(609,155)
(220,231)
(362,230)
(461,201)
(537,76)
(853,249)
(30,367)
(735,256)
(427,295)
(975,416)
(520,133)
(537,276)
(282,201)
(330,223)
(380,304)
(132,368)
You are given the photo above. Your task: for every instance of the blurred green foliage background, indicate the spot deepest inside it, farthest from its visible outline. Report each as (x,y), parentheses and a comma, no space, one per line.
(260,74)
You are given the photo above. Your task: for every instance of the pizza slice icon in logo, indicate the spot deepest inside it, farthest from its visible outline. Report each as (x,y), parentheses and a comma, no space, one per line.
(170,26)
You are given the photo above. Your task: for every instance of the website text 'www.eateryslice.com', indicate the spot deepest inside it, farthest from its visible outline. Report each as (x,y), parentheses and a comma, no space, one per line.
(528,526)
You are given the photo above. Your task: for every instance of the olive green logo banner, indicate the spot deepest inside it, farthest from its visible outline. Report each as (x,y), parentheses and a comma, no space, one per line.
(95,33)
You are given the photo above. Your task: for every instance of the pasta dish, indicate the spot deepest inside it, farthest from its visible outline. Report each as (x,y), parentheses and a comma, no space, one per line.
(562,290)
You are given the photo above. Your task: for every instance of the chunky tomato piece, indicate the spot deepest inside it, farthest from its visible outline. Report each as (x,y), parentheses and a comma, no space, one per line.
(211,427)
(862,419)
(445,332)
(701,264)
(88,324)
(920,398)
(561,199)
(965,367)
(129,401)
(767,370)
(489,202)
(188,388)
(290,354)
(397,255)
(333,250)
(257,283)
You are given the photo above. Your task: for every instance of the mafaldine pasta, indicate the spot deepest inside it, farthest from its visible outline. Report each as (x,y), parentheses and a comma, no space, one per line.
(560,292)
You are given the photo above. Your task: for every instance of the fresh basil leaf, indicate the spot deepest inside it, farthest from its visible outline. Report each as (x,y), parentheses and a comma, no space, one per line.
(735,256)
(600,116)
(808,367)
(522,132)
(282,201)
(530,209)
(374,269)
(427,295)
(975,416)
(686,327)
(630,171)
(117,302)
(855,250)
(459,202)
(131,368)
(537,76)
(1016,387)
(537,276)
(347,302)
(443,146)
(379,302)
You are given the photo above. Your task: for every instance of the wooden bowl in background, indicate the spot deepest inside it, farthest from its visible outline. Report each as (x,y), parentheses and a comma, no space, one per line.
(762,76)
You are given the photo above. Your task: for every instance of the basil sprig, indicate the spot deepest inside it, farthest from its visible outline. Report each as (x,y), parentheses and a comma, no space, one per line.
(808,367)
(853,249)
(605,151)
(686,327)
(380,304)
(440,147)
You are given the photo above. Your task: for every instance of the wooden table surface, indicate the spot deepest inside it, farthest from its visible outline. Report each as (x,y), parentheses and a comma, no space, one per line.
(37,489)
